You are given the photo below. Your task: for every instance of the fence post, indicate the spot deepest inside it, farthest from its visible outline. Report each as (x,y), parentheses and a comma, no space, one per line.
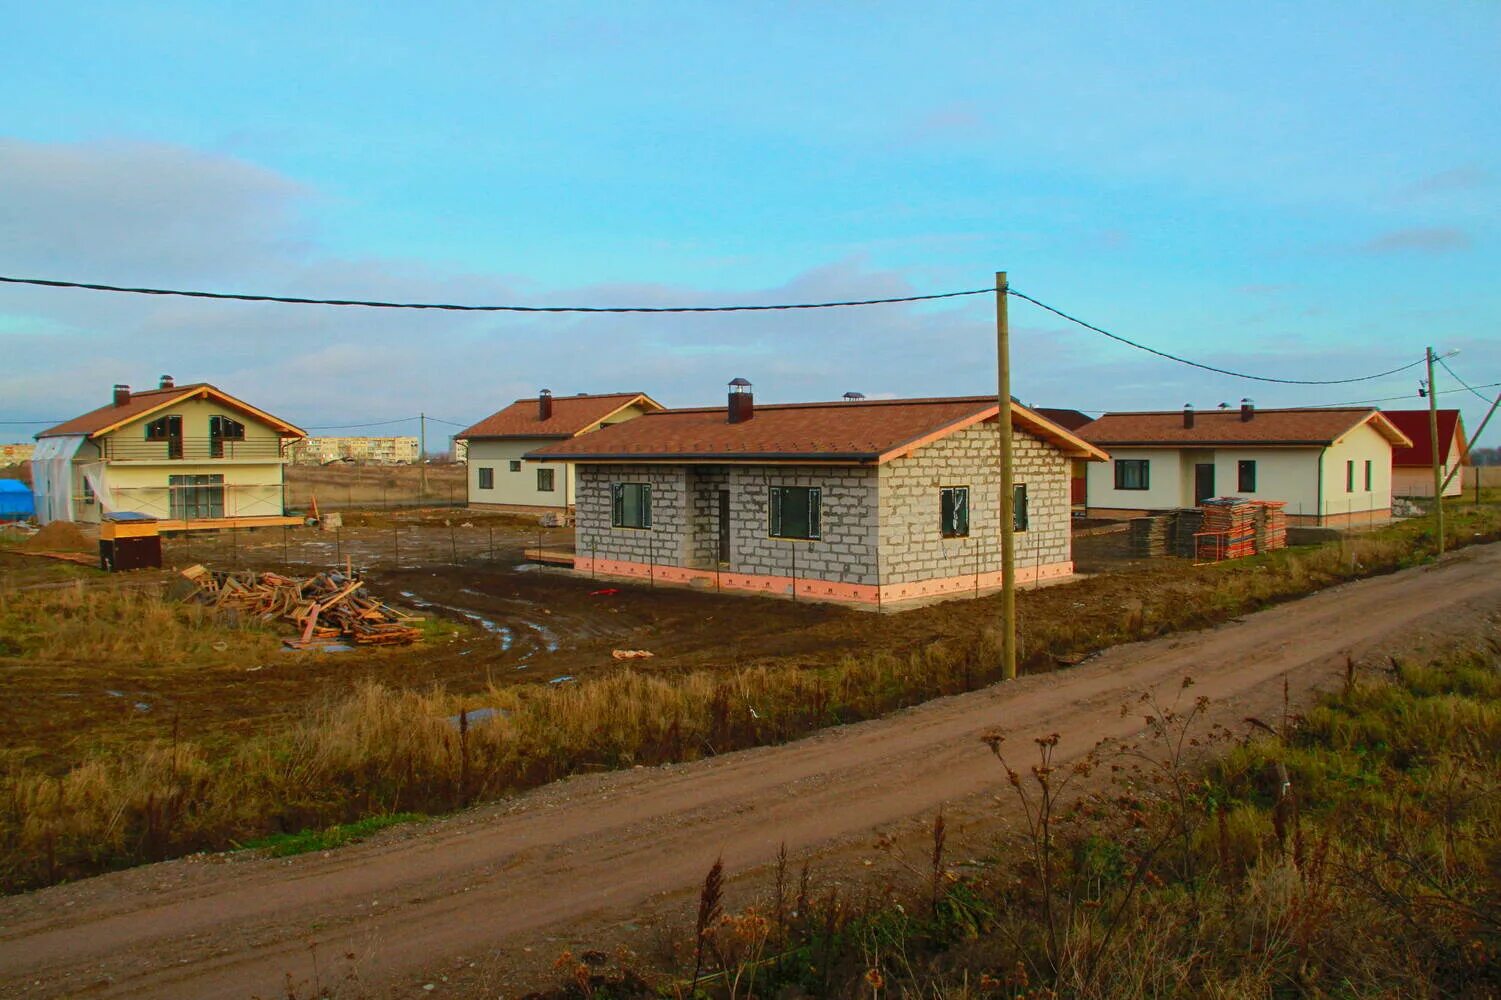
(338,544)
(285,561)
(491,529)
(793,546)
(453,542)
(396,541)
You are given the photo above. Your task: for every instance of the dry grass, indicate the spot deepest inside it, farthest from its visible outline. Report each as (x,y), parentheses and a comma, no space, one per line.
(383,750)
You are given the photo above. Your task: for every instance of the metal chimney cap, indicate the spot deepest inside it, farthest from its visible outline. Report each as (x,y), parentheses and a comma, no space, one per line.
(740,382)
(852,396)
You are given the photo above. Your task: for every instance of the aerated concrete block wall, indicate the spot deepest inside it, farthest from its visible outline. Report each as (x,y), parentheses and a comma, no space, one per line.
(846,552)
(911,539)
(668,541)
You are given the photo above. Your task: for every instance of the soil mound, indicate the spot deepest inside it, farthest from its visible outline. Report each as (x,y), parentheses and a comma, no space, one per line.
(60,536)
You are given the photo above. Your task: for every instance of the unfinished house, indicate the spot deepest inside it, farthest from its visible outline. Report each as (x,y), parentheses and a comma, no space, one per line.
(191,456)
(1330,466)
(496,447)
(868,501)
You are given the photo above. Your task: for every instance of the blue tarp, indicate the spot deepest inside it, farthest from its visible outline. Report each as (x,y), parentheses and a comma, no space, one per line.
(15,500)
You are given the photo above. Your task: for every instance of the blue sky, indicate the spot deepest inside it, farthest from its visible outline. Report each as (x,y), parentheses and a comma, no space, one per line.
(1305,193)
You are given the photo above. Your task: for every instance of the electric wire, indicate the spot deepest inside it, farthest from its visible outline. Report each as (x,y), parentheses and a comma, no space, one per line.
(457,307)
(1478,394)
(1198,364)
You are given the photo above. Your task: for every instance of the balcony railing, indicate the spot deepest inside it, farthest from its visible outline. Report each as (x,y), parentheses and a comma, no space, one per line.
(190,449)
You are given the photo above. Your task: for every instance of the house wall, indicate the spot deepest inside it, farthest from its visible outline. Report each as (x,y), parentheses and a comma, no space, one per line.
(517,489)
(1166,486)
(1360,445)
(1290,475)
(913,548)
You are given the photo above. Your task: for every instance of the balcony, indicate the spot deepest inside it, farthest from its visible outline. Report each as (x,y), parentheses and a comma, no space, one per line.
(192,449)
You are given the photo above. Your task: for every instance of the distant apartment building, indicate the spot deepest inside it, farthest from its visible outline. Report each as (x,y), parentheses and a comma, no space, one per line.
(367,450)
(16,454)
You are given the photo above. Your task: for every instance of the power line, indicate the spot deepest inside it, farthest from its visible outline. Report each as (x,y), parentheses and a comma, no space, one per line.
(451,423)
(1208,368)
(1408,395)
(28,423)
(1478,394)
(455,307)
(373,423)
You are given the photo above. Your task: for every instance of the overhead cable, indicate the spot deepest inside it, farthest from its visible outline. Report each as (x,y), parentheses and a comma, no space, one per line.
(1479,395)
(1209,368)
(456,307)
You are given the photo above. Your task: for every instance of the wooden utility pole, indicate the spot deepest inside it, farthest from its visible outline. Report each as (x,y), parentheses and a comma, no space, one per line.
(1008,500)
(422,455)
(1470,446)
(1438,468)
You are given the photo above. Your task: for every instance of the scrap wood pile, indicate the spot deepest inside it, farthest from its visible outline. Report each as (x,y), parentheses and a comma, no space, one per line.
(323,607)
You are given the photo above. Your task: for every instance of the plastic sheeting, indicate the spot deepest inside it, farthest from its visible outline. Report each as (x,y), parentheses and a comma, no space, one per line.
(52,477)
(97,476)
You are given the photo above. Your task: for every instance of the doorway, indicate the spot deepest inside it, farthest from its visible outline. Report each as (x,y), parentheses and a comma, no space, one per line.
(1203,482)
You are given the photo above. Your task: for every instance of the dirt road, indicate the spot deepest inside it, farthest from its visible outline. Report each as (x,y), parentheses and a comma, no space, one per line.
(588,852)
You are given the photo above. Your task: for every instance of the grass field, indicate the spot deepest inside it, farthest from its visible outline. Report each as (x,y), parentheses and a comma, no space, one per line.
(344,486)
(238,741)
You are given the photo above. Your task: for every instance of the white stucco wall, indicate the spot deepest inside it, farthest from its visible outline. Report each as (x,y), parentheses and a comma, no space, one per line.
(1166,486)
(1360,446)
(517,488)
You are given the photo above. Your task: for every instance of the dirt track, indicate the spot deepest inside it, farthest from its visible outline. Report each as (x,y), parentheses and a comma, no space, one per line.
(586,853)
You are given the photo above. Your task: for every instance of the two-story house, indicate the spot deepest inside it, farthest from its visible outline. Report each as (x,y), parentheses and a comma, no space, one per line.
(192,456)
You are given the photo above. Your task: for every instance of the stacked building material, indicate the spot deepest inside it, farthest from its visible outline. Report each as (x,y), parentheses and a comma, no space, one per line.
(1229,530)
(1186,524)
(325,607)
(1271,525)
(1151,537)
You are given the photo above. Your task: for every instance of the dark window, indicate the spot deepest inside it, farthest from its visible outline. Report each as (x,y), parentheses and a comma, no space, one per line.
(795,511)
(630,505)
(1019,507)
(953,506)
(88,491)
(544,481)
(168,429)
(1247,476)
(1133,473)
(515,465)
(486,478)
(1350,476)
(221,429)
(1368,475)
(196,496)
(157,430)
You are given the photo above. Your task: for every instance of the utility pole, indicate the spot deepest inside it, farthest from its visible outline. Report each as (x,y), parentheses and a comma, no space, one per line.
(1008,510)
(422,454)
(1438,471)
(1471,447)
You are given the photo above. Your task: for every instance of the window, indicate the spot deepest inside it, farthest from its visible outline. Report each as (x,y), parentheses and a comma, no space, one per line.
(953,507)
(88,491)
(1132,473)
(196,496)
(630,505)
(221,429)
(794,512)
(515,465)
(1247,476)
(544,481)
(1019,507)
(1368,475)
(1350,476)
(486,478)
(168,429)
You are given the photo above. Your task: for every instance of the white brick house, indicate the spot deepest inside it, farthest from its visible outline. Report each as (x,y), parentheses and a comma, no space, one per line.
(870,501)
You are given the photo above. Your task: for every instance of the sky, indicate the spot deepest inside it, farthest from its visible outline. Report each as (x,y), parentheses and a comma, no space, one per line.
(1300,191)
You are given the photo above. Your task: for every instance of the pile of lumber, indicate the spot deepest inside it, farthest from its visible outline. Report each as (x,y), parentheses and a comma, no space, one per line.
(1229,530)
(1271,525)
(1152,537)
(1187,524)
(326,607)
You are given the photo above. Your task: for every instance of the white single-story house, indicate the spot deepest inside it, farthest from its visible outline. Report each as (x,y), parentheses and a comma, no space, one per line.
(192,456)
(496,446)
(1329,466)
(867,501)
(1412,468)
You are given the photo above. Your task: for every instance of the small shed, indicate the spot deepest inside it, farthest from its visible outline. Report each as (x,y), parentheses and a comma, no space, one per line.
(16,503)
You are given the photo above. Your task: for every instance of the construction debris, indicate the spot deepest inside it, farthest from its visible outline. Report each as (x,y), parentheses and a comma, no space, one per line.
(324,607)
(1220,528)
(631,654)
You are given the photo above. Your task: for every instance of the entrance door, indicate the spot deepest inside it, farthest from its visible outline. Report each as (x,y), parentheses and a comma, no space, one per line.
(1203,482)
(724,526)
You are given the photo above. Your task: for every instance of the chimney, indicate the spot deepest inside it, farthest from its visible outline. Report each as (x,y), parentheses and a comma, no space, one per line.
(167,382)
(544,404)
(122,394)
(853,397)
(1247,411)
(742,401)
(1188,416)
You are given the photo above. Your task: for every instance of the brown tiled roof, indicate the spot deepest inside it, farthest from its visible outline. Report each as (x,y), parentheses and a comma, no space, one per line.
(1069,420)
(110,416)
(1414,423)
(570,415)
(867,431)
(1308,427)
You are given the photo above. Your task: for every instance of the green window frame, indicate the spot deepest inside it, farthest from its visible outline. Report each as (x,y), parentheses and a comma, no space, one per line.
(546,481)
(953,511)
(1368,472)
(515,465)
(486,478)
(1350,476)
(1246,475)
(795,512)
(630,505)
(1133,473)
(1019,518)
